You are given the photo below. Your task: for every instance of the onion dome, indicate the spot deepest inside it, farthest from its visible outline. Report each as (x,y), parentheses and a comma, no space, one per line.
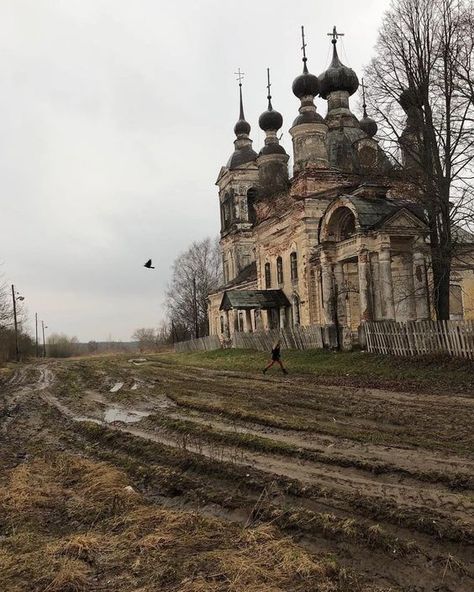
(243,152)
(242,126)
(305,84)
(270,120)
(337,76)
(272,148)
(409,99)
(367,124)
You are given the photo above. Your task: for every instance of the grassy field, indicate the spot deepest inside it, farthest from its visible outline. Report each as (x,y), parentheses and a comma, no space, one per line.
(355,368)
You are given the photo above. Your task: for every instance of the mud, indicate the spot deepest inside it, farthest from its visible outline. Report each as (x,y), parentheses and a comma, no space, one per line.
(382,462)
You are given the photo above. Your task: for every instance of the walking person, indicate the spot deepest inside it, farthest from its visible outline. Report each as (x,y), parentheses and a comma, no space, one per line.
(276,355)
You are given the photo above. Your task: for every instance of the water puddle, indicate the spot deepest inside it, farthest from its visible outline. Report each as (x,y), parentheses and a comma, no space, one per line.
(124,415)
(117,386)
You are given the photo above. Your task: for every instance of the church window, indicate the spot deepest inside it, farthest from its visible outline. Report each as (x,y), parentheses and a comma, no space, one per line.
(294,266)
(279,270)
(251,199)
(241,321)
(222,324)
(456,312)
(341,225)
(268,276)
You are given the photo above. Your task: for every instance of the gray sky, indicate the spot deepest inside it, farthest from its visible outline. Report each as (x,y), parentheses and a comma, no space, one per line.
(115,117)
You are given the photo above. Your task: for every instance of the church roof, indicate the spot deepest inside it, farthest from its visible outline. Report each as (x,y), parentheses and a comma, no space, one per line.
(253,299)
(247,274)
(373,211)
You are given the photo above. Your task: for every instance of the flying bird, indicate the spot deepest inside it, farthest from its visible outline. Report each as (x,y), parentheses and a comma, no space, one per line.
(148,264)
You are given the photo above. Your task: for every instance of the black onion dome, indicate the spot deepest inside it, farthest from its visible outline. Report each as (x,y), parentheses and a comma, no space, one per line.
(240,157)
(242,127)
(272,148)
(308,117)
(337,77)
(305,84)
(270,120)
(368,125)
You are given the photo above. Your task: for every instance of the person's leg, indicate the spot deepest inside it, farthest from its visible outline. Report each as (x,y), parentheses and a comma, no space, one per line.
(268,366)
(283,369)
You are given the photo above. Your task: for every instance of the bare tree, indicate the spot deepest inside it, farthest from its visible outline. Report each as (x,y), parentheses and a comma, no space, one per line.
(421,87)
(196,273)
(146,337)
(60,345)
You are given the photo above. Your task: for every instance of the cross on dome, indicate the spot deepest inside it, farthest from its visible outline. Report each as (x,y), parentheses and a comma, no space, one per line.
(335,35)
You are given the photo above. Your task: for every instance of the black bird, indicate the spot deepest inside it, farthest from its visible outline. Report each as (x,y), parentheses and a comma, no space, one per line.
(148,264)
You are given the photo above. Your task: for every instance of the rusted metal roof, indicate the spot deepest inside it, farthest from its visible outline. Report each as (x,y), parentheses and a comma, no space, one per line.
(253,299)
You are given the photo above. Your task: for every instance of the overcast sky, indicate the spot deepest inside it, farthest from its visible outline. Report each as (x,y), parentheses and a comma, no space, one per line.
(115,117)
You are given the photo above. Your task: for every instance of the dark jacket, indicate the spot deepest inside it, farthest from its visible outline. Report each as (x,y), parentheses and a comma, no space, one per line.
(276,353)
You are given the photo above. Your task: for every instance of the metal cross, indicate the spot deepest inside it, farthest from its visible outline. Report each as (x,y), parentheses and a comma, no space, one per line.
(240,76)
(304,43)
(363,90)
(335,35)
(268,83)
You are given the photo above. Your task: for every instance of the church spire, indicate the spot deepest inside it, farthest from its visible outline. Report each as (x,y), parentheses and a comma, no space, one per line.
(367,124)
(243,152)
(242,127)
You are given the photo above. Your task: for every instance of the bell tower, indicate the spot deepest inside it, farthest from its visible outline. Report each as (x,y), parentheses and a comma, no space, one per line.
(238,182)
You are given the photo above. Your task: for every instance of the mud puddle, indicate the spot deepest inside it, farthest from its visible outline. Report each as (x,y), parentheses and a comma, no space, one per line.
(113,414)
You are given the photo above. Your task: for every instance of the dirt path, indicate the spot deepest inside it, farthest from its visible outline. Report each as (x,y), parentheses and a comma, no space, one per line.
(421,497)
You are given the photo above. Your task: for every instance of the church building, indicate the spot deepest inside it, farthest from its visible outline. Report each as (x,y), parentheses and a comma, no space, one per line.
(338,243)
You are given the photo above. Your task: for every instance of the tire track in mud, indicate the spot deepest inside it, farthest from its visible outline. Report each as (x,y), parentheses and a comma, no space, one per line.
(345,479)
(342,480)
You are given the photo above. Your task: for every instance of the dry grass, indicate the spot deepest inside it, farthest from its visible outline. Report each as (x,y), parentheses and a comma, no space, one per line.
(73,525)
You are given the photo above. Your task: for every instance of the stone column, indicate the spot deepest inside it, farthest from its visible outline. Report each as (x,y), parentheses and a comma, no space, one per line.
(327,292)
(341,297)
(410,286)
(248,321)
(282,317)
(386,285)
(420,285)
(227,323)
(364,286)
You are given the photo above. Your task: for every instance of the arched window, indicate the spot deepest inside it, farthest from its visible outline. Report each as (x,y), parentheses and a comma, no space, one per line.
(294,266)
(279,270)
(296,309)
(268,276)
(222,324)
(341,225)
(251,199)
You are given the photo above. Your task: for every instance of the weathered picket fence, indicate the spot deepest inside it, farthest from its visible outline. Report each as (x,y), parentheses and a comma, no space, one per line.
(296,337)
(201,344)
(455,338)
(313,337)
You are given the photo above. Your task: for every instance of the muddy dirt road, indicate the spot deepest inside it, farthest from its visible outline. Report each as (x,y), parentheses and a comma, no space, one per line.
(383,481)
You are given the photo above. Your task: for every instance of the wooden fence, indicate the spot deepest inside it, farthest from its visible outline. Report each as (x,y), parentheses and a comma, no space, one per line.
(312,337)
(202,344)
(455,338)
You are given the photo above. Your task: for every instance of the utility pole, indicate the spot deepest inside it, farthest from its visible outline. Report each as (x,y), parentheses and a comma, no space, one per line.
(17,347)
(195,311)
(36,334)
(44,342)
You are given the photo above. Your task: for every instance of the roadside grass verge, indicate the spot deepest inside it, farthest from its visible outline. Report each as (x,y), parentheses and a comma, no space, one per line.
(434,373)
(72,524)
